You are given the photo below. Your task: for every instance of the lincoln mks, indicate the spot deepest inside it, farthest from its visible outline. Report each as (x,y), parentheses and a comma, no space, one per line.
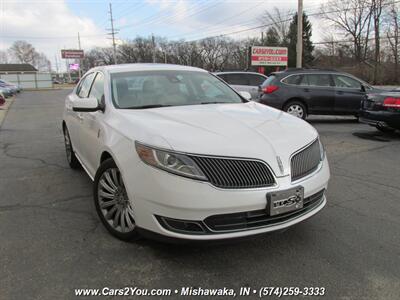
(175,152)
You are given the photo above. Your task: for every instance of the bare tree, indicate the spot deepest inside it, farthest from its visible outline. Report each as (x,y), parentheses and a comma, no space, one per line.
(23,52)
(4,59)
(393,36)
(279,21)
(352,18)
(377,8)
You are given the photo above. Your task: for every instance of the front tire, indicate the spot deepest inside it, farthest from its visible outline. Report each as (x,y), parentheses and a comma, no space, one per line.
(112,203)
(297,109)
(71,157)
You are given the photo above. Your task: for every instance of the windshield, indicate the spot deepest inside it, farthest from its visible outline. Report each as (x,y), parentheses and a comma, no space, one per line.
(149,89)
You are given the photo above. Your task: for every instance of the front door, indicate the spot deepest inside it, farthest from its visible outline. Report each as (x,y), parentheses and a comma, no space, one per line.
(348,94)
(318,91)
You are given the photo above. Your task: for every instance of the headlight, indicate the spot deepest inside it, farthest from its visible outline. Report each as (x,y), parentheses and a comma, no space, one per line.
(321,149)
(176,163)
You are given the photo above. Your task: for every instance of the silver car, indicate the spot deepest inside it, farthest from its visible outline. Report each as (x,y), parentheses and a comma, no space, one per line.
(243,81)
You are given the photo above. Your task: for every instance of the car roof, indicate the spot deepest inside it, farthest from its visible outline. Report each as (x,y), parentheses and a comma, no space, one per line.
(238,72)
(145,67)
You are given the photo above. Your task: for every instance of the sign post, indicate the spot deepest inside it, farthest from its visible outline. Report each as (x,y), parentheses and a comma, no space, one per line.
(269,56)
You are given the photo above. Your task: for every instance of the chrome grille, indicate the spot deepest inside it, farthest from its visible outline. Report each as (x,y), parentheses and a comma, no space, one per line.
(235,173)
(306,161)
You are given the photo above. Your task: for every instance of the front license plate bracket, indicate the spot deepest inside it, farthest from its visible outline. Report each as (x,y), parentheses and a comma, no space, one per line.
(281,202)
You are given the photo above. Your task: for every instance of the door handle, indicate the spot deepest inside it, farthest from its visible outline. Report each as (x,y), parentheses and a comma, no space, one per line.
(339,92)
(306,90)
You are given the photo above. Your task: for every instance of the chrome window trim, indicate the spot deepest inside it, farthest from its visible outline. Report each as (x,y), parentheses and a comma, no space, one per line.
(317,86)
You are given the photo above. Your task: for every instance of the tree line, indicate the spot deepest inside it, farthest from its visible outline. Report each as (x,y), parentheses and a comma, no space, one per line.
(361,37)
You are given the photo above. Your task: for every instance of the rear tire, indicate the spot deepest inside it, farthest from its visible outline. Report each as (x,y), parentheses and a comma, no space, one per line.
(112,203)
(71,157)
(297,109)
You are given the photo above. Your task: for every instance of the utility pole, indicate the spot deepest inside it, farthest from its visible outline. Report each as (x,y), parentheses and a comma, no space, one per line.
(80,60)
(113,33)
(154,48)
(299,46)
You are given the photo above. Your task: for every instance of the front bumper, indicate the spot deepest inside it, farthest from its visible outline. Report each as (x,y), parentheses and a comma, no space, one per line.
(156,194)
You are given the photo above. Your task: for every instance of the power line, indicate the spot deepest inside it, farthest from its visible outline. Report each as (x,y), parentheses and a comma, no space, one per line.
(282,21)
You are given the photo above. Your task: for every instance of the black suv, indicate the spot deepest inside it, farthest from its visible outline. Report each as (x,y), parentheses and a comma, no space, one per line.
(301,92)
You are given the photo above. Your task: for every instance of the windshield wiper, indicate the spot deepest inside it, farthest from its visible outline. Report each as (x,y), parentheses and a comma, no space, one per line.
(147,106)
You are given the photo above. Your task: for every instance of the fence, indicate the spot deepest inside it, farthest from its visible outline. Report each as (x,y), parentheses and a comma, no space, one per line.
(29,81)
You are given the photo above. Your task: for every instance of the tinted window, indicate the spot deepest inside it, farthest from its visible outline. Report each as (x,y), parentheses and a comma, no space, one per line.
(346,82)
(293,79)
(269,80)
(97,90)
(237,79)
(255,80)
(84,87)
(316,80)
(172,88)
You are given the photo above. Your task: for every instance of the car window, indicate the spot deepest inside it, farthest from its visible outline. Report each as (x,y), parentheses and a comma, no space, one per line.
(84,87)
(169,88)
(292,79)
(269,80)
(97,89)
(346,82)
(255,80)
(316,80)
(237,79)
(222,76)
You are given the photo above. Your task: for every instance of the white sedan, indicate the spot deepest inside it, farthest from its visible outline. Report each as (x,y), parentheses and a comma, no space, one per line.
(175,152)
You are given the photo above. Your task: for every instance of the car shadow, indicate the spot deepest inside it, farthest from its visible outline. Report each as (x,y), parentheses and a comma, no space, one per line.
(375,135)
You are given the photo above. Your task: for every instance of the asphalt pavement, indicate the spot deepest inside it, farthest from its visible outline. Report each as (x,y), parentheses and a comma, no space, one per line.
(51,240)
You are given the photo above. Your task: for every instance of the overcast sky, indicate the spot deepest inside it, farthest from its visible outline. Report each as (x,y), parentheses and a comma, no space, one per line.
(51,25)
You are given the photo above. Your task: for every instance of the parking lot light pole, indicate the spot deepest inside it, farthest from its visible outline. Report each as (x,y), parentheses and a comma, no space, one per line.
(299,46)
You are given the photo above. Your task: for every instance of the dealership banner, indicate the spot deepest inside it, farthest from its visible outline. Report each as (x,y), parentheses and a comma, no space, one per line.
(72,54)
(269,56)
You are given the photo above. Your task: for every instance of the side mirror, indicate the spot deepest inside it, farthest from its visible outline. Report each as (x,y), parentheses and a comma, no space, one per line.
(86,105)
(245,95)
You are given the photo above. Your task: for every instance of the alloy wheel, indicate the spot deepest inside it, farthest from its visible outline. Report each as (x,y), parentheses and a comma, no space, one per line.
(114,202)
(295,110)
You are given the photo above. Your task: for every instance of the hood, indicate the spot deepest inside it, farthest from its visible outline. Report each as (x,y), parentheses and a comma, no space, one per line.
(248,130)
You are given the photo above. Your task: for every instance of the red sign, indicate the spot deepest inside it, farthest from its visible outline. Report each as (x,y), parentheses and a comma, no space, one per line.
(269,56)
(72,54)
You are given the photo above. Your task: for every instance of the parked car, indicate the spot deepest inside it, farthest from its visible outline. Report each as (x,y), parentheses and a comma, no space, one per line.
(2,99)
(381,110)
(302,92)
(175,152)
(13,87)
(6,91)
(243,81)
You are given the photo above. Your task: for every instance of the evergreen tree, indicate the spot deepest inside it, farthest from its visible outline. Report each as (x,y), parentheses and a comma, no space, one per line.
(308,46)
(271,38)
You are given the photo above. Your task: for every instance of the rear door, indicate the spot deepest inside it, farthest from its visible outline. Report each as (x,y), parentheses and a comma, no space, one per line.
(318,91)
(348,94)
(238,81)
(255,81)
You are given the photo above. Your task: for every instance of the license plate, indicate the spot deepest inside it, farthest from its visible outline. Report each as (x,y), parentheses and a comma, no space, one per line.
(284,201)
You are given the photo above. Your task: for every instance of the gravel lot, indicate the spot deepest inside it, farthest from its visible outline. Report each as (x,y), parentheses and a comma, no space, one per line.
(52,241)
